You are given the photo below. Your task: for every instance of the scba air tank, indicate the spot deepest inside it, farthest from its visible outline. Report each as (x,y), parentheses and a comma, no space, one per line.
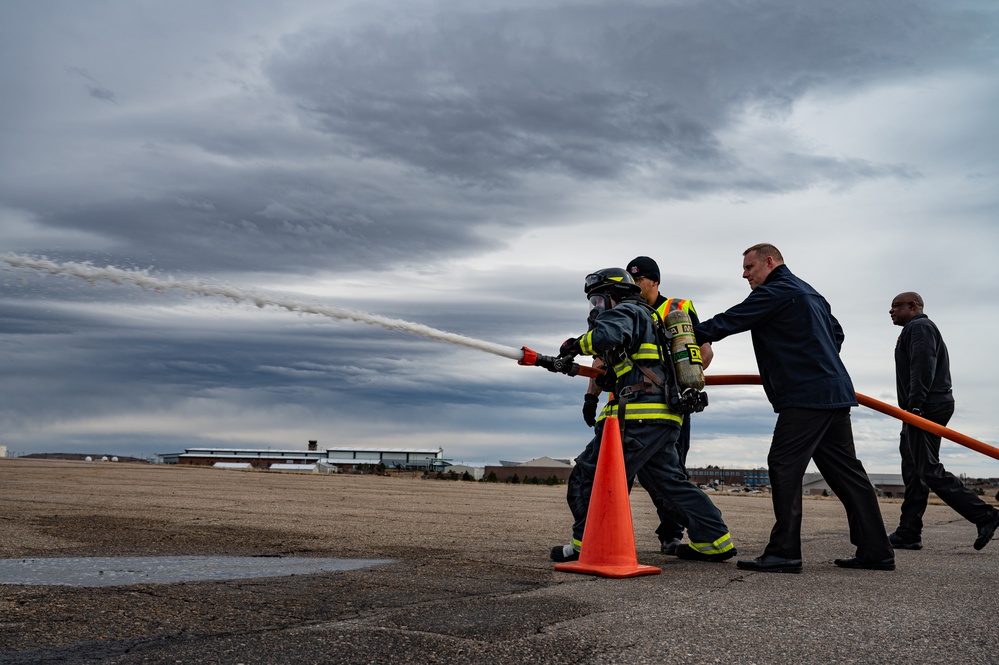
(684,352)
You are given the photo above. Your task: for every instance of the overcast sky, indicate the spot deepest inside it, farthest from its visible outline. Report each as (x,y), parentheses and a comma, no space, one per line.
(464,166)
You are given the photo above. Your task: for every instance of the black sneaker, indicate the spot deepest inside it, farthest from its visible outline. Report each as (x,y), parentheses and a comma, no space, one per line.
(900,543)
(690,554)
(986,532)
(670,546)
(563,553)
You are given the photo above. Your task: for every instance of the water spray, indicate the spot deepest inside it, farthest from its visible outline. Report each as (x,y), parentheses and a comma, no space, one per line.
(143,279)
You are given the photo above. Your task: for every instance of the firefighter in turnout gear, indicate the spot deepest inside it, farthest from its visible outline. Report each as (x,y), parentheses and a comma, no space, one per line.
(622,333)
(645,272)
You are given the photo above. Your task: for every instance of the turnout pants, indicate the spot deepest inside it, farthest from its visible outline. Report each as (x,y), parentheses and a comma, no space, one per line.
(826,436)
(586,462)
(922,472)
(669,528)
(650,452)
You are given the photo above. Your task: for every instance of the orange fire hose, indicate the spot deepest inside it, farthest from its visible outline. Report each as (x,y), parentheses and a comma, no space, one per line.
(870,402)
(877,405)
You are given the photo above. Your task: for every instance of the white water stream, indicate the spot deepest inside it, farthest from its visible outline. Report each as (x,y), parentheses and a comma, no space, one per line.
(142,278)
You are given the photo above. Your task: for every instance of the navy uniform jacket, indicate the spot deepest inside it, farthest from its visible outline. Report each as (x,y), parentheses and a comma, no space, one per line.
(922,365)
(796,339)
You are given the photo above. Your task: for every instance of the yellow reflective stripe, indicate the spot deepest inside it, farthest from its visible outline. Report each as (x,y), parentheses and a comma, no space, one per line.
(586,344)
(720,546)
(650,411)
(623,368)
(577,544)
(636,410)
(648,407)
(641,411)
(647,352)
(628,415)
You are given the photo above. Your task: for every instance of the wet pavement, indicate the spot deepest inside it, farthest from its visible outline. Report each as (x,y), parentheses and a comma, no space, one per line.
(118,571)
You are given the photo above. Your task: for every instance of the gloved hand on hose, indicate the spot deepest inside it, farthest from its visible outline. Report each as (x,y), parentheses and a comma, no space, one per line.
(590,404)
(570,347)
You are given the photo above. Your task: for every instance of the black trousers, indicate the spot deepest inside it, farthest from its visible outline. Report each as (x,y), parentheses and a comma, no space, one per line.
(825,435)
(922,472)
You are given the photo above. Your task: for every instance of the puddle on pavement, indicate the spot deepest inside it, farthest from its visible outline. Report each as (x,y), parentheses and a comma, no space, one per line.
(116,571)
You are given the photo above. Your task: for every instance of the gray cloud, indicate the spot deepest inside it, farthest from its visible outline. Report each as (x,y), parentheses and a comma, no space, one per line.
(599,93)
(471,105)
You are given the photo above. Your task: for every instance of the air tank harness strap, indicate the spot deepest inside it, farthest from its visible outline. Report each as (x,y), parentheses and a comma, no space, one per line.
(625,395)
(655,380)
(628,392)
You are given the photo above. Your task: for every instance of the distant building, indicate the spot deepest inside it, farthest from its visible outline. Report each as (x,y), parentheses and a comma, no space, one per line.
(542,468)
(288,459)
(476,472)
(714,475)
(393,458)
(557,459)
(888,485)
(84,457)
(295,468)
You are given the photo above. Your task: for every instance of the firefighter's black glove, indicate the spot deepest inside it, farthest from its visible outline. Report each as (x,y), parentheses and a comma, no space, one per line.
(606,381)
(548,362)
(590,404)
(570,347)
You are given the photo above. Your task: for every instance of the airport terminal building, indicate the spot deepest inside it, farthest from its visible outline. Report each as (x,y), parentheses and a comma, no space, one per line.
(313,459)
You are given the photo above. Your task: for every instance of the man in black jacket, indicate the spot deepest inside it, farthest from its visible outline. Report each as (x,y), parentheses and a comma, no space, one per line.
(922,380)
(797,341)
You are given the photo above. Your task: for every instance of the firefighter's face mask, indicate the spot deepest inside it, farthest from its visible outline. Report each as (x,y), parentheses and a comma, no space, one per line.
(599,302)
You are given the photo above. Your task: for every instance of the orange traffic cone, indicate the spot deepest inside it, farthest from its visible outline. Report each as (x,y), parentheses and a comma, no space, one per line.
(609,537)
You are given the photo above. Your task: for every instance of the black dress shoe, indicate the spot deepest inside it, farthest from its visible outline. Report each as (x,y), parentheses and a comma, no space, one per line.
(986,532)
(861,564)
(900,543)
(770,564)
